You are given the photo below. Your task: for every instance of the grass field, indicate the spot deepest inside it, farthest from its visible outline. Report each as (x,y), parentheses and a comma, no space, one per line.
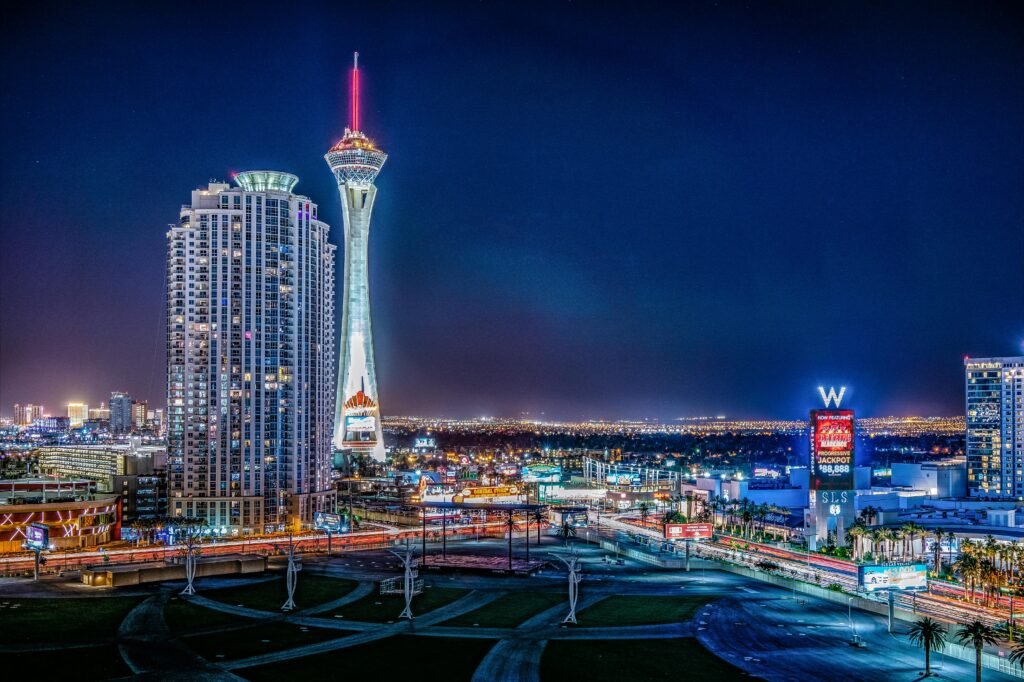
(510,610)
(639,610)
(258,639)
(269,595)
(183,617)
(395,659)
(78,663)
(375,608)
(644,659)
(69,620)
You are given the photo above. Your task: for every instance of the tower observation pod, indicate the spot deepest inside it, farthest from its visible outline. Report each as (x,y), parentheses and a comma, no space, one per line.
(355,162)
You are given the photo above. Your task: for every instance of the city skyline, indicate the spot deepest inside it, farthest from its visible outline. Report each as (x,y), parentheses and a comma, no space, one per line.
(786,211)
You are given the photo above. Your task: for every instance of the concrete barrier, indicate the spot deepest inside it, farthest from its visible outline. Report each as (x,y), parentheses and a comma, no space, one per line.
(128,575)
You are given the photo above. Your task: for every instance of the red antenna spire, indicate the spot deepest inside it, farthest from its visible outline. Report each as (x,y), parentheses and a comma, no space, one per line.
(355,91)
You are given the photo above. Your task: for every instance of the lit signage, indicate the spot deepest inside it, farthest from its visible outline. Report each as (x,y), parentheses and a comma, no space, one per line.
(623,479)
(327,522)
(541,473)
(832,450)
(832,397)
(688,531)
(425,443)
(360,424)
(904,577)
(37,536)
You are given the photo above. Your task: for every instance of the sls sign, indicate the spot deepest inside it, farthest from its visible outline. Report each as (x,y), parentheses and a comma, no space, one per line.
(832,397)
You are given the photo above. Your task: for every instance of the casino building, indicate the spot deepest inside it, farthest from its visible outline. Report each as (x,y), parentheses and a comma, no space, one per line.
(832,492)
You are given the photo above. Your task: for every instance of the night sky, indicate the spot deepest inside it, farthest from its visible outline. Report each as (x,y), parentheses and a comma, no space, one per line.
(589,210)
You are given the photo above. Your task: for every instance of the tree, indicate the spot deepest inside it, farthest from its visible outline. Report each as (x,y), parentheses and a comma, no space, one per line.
(566,531)
(1017,654)
(538,517)
(645,511)
(937,549)
(857,532)
(931,635)
(977,634)
(967,565)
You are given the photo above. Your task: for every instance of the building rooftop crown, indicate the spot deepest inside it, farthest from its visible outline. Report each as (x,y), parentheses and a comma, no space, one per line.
(266,180)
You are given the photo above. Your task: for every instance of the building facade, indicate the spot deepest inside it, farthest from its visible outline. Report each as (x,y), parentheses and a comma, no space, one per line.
(250,325)
(355,162)
(26,415)
(77,414)
(120,412)
(994,390)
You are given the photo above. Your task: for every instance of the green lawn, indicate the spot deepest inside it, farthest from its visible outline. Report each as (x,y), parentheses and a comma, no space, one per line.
(65,620)
(643,659)
(510,610)
(85,663)
(259,639)
(269,595)
(184,617)
(622,611)
(394,659)
(375,608)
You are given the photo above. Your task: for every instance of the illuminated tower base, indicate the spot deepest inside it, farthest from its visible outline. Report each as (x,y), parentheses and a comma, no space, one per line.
(355,162)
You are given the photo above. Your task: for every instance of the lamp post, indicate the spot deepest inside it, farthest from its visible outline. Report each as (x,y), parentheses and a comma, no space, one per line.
(849,614)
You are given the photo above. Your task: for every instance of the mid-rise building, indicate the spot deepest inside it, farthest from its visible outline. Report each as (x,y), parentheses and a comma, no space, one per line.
(77,414)
(994,389)
(120,412)
(139,416)
(25,415)
(250,327)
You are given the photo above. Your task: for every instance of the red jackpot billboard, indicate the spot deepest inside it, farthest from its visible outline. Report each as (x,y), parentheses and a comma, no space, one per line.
(832,450)
(688,531)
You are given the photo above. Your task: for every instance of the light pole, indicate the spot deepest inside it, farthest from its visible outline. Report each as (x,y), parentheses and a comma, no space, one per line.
(849,615)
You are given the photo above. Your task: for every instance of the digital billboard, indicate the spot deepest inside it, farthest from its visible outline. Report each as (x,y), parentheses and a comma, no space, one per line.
(623,479)
(688,531)
(903,577)
(360,424)
(541,473)
(832,455)
(425,443)
(37,536)
(327,521)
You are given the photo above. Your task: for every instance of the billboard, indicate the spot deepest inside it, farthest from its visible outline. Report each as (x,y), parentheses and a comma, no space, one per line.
(832,450)
(37,536)
(688,531)
(425,443)
(360,424)
(623,479)
(901,577)
(327,521)
(541,473)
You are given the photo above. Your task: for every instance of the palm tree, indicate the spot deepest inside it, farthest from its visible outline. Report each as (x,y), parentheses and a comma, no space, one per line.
(566,531)
(930,634)
(857,532)
(967,566)
(645,511)
(937,549)
(978,635)
(1017,655)
(910,531)
(538,516)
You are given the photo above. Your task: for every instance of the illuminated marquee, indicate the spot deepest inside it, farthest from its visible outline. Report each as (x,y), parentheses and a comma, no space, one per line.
(832,450)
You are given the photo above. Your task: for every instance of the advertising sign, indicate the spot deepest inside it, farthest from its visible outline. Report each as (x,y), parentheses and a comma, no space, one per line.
(832,450)
(37,536)
(425,443)
(327,521)
(360,424)
(541,473)
(688,531)
(623,479)
(904,577)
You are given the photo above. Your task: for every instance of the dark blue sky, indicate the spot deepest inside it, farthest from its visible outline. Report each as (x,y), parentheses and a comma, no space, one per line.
(589,210)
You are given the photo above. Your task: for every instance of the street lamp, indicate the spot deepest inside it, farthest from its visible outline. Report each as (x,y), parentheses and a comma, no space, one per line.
(849,614)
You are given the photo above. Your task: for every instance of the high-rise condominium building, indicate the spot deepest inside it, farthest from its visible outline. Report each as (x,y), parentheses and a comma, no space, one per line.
(250,327)
(355,162)
(120,412)
(25,415)
(77,414)
(995,427)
